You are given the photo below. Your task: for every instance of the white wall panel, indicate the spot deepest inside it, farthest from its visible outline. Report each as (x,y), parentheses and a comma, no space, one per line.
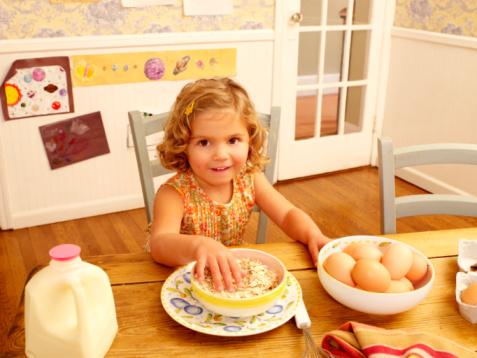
(430,99)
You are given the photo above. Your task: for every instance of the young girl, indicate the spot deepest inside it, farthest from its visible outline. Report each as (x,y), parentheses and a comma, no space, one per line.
(213,139)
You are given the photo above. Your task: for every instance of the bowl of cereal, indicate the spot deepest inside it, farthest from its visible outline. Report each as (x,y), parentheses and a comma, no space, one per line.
(263,283)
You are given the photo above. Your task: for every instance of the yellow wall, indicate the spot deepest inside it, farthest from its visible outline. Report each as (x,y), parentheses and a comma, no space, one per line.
(40,18)
(452,17)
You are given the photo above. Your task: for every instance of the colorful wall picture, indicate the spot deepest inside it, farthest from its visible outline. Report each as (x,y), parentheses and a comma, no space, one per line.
(37,87)
(75,139)
(117,68)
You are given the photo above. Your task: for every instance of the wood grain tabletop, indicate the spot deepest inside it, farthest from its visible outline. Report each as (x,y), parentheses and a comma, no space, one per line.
(146,330)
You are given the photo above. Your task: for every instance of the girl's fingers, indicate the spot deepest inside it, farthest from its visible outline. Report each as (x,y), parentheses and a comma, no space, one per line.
(236,271)
(313,248)
(199,268)
(226,274)
(216,275)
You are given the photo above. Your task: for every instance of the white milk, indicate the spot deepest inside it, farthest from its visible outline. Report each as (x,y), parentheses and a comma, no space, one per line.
(69,308)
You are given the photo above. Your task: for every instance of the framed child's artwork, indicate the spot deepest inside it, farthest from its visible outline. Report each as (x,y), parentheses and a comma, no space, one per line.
(37,87)
(73,140)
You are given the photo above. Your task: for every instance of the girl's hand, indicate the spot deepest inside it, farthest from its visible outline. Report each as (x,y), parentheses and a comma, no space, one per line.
(222,264)
(315,243)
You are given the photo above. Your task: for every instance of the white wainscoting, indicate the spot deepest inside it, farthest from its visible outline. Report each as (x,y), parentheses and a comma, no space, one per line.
(431,98)
(33,194)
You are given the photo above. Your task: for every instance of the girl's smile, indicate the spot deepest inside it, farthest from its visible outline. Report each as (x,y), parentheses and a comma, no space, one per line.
(217,151)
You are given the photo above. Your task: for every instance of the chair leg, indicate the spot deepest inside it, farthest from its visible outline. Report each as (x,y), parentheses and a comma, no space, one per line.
(262,228)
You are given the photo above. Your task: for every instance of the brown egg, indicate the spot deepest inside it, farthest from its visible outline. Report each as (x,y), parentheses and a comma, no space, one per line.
(339,266)
(469,295)
(350,248)
(371,275)
(366,251)
(407,283)
(418,268)
(398,286)
(397,260)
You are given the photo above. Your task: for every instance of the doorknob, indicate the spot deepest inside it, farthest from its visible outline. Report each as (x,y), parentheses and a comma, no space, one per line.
(297,17)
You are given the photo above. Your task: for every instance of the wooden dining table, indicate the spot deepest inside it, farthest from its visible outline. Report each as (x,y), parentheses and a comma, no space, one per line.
(146,330)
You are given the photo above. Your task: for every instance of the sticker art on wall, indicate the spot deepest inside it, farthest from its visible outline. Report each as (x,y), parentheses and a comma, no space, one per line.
(117,68)
(75,139)
(37,87)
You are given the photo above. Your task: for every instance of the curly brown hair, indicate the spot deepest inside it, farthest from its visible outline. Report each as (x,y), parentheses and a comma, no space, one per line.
(202,96)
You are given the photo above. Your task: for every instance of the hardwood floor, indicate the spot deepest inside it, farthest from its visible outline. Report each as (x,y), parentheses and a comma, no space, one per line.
(342,203)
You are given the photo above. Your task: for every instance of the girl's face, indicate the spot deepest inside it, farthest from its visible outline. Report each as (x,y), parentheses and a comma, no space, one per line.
(218,148)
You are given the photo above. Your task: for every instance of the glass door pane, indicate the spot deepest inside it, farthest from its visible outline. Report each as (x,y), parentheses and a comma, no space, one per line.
(308,53)
(358,61)
(311,10)
(354,109)
(336,12)
(362,12)
(330,112)
(325,96)
(306,102)
(333,56)
(306,107)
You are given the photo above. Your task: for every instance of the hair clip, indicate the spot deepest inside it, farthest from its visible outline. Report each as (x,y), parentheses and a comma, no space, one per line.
(189,109)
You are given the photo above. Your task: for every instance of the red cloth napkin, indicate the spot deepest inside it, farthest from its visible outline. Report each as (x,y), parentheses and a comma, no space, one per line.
(357,340)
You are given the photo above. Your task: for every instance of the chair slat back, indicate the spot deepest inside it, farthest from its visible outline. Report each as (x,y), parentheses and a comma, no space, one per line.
(441,153)
(390,159)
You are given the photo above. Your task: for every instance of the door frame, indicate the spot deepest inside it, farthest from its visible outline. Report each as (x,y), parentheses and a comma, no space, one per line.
(284,50)
(383,74)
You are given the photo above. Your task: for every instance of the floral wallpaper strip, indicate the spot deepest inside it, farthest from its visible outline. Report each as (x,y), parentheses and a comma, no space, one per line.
(42,18)
(117,68)
(446,16)
(63,1)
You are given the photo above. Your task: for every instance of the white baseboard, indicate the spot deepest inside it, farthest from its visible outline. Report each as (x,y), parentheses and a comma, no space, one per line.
(428,182)
(75,211)
(313,79)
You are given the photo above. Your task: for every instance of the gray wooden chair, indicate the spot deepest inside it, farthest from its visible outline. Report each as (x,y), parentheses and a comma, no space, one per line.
(144,125)
(390,159)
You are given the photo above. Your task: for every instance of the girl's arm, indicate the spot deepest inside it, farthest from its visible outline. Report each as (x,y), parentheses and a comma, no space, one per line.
(171,248)
(293,221)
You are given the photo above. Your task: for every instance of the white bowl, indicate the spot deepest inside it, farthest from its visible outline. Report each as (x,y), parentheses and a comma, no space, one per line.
(371,302)
(244,307)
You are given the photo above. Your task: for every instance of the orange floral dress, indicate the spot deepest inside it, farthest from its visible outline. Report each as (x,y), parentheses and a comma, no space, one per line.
(204,216)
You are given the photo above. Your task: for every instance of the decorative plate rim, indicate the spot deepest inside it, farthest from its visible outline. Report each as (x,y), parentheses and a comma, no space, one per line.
(284,316)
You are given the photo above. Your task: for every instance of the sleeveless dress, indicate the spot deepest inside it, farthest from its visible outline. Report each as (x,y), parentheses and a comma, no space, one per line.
(204,216)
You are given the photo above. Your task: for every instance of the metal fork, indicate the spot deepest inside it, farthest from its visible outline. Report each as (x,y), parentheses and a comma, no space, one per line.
(303,322)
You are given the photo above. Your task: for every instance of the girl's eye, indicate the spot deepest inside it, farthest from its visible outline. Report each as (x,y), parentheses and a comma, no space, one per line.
(234,140)
(203,143)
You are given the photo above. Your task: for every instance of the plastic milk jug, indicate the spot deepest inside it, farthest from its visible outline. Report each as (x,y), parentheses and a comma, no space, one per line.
(69,308)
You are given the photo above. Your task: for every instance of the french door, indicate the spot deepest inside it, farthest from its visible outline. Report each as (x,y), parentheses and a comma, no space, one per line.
(330,59)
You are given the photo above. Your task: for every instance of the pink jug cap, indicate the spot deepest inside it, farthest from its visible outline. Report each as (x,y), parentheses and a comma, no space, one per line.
(64,252)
